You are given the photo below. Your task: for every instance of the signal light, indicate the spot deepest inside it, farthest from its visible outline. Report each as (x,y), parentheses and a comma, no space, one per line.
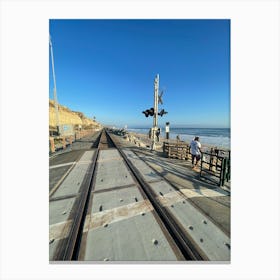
(149,112)
(162,112)
(146,113)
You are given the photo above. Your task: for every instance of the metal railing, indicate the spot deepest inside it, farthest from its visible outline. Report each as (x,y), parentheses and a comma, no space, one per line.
(215,166)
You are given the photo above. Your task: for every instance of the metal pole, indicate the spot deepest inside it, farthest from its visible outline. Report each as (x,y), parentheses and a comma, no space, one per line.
(155,123)
(156,84)
(54,89)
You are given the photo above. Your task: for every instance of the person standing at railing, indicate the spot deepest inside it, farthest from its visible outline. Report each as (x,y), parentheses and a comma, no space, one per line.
(157,134)
(195,151)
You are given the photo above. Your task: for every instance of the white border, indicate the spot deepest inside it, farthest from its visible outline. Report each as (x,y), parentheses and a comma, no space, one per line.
(255,127)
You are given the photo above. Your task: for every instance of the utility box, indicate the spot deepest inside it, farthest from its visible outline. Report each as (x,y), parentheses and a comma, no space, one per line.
(66,130)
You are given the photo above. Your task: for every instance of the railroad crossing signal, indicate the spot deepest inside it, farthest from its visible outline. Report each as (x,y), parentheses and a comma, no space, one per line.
(153,112)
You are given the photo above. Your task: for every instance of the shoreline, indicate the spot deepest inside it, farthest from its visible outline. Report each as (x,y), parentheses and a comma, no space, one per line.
(216,139)
(144,140)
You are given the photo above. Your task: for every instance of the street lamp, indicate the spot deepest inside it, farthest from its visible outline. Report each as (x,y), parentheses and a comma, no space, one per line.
(54,89)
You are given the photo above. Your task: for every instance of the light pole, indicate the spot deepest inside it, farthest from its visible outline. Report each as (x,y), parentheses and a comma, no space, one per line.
(54,89)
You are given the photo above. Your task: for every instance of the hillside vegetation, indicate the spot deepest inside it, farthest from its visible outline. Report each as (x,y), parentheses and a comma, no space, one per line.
(66,116)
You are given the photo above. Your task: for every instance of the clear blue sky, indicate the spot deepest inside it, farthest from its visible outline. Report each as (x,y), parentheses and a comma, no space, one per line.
(106,69)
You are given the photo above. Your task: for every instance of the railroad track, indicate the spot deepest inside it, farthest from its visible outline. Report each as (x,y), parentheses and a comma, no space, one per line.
(188,193)
(116,208)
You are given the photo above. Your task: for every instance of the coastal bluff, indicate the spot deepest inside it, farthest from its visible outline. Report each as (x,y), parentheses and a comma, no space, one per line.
(67,116)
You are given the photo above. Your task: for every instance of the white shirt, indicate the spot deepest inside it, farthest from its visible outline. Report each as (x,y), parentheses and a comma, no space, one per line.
(195,146)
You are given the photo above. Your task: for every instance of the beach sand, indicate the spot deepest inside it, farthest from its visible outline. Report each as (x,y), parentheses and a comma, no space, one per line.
(142,140)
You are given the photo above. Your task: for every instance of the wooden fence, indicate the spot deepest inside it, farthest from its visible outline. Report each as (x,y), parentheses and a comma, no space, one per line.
(64,141)
(214,165)
(177,150)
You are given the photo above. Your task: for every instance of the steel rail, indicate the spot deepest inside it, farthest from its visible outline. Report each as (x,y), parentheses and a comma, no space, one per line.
(68,250)
(74,240)
(170,238)
(188,249)
(58,184)
(190,201)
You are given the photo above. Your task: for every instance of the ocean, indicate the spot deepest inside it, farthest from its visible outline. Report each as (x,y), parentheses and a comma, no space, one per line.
(214,137)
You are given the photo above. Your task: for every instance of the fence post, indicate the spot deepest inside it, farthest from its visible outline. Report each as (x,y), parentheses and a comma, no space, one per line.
(63,142)
(201,164)
(221,174)
(211,160)
(228,170)
(228,167)
(52,146)
(223,171)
